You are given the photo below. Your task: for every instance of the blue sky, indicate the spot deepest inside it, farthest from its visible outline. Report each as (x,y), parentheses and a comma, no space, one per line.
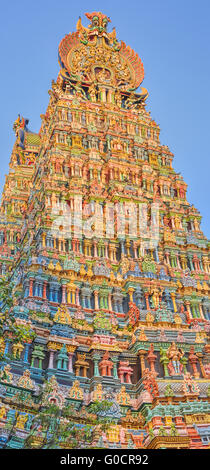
(171,37)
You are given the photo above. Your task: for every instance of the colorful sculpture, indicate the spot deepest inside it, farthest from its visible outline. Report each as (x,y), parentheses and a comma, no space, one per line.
(109,266)
(190,387)
(175,354)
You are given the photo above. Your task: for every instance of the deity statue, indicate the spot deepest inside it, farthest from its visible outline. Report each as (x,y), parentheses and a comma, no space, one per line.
(118,98)
(19,127)
(123,398)
(5,374)
(98,393)
(3,412)
(135,100)
(25,381)
(76,392)
(101,146)
(149,382)
(52,393)
(21,421)
(17,349)
(142,336)
(102,76)
(92,92)
(98,27)
(78,90)
(174,355)
(155,297)
(190,387)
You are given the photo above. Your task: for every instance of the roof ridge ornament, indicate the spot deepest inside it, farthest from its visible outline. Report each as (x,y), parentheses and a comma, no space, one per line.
(93,56)
(96,29)
(20,127)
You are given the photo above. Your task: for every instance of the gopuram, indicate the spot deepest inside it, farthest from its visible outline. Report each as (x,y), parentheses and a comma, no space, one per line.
(104,270)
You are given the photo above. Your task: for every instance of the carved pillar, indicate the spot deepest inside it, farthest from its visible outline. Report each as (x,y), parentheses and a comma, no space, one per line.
(121,376)
(193,359)
(63,301)
(194,314)
(115,360)
(101,301)
(77,297)
(200,356)
(68,296)
(146,294)
(201,311)
(26,352)
(127,244)
(130,293)
(73,296)
(96,300)
(96,358)
(141,355)
(51,293)
(106,249)
(151,357)
(44,240)
(173,296)
(51,359)
(122,247)
(36,289)
(109,301)
(191,263)
(167,258)
(178,262)
(135,249)
(44,295)
(31,282)
(95,248)
(187,304)
(70,365)
(6,350)
(56,289)
(121,306)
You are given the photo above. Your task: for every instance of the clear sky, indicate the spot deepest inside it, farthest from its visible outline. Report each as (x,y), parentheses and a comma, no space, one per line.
(171,37)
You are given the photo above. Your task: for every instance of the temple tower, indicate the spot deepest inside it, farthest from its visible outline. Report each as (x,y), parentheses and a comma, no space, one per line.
(111,268)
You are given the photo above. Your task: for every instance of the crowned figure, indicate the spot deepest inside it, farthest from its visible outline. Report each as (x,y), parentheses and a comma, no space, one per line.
(174,355)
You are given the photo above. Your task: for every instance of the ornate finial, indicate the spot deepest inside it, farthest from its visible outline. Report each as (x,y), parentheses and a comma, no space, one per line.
(99,21)
(19,127)
(97,28)
(20,123)
(92,57)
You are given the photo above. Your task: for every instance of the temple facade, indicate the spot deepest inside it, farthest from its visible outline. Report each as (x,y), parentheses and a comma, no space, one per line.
(108,265)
